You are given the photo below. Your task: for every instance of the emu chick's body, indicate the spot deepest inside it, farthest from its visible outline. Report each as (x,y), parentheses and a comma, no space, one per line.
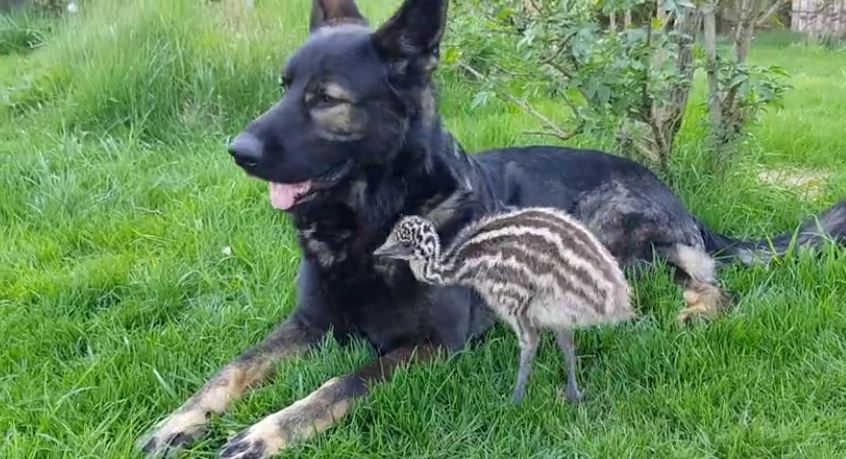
(537,268)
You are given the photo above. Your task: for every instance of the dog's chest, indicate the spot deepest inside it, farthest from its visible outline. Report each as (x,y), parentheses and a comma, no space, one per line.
(378,300)
(326,245)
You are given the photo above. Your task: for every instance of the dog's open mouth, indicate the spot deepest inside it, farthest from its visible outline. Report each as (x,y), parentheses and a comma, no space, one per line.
(284,196)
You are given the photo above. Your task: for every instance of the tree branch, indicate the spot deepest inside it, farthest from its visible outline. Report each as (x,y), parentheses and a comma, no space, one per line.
(558,51)
(777,5)
(550,125)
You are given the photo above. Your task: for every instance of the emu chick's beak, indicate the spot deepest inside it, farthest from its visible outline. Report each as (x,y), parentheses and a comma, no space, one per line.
(389,250)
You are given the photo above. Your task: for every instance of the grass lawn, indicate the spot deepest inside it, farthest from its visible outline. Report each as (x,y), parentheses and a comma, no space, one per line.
(135,260)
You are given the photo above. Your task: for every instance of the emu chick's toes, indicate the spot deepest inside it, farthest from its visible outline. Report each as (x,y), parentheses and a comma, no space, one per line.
(573,395)
(518,396)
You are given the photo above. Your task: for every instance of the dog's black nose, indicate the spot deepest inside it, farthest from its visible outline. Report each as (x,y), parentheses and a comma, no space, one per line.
(246,148)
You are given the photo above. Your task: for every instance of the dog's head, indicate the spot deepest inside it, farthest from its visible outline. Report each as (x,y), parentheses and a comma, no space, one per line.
(350,96)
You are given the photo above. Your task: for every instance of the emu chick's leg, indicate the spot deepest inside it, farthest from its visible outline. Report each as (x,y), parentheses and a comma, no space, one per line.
(565,342)
(529,338)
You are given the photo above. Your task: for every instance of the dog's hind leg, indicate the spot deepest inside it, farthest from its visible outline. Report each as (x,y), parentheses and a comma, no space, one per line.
(318,411)
(704,298)
(188,423)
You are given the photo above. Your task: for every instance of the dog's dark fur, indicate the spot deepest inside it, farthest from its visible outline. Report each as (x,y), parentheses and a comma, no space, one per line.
(359,120)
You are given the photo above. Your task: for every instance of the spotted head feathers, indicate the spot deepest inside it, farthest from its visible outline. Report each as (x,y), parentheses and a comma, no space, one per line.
(412,238)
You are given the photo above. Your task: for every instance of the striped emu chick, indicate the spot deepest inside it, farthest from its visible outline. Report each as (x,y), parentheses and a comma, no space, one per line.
(538,268)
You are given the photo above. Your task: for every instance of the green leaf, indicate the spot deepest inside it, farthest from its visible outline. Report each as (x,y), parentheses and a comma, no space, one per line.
(452,55)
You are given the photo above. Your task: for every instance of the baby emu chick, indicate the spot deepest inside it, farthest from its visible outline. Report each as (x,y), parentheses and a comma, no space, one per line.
(538,268)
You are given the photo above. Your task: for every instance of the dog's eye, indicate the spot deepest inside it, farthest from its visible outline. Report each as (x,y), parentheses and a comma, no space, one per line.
(284,84)
(325,99)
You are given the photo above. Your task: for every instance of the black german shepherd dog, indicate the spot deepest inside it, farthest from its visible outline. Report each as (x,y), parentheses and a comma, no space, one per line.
(356,142)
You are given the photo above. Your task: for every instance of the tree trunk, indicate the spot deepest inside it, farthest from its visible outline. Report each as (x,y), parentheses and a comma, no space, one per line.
(715,109)
(746,28)
(666,117)
(743,34)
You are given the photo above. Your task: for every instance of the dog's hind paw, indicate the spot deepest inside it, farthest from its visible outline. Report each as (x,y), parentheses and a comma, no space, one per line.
(704,301)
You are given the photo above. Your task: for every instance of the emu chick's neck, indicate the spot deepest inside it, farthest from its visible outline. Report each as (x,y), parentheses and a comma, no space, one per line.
(429,269)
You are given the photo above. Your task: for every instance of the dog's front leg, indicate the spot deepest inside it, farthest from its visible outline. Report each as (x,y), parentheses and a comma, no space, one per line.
(188,423)
(319,410)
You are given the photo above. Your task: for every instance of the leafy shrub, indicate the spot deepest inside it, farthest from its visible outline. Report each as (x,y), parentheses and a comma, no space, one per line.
(632,81)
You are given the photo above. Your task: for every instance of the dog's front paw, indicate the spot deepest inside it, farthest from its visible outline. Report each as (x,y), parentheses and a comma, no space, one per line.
(173,434)
(250,444)
(261,440)
(299,421)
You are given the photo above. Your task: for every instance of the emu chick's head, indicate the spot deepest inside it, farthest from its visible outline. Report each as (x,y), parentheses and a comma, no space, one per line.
(412,238)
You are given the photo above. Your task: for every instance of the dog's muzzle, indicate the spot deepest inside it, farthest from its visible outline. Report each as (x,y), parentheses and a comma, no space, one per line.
(247,149)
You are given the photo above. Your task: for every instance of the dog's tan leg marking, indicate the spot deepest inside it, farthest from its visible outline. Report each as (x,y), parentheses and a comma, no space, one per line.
(318,411)
(188,423)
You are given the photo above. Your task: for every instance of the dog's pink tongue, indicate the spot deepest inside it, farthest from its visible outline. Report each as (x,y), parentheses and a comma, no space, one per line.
(283,196)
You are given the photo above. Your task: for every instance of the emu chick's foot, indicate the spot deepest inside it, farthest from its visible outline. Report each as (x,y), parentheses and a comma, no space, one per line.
(520,387)
(704,301)
(572,394)
(518,396)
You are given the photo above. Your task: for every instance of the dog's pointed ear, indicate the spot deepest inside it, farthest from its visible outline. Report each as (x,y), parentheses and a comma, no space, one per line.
(414,32)
(328,12)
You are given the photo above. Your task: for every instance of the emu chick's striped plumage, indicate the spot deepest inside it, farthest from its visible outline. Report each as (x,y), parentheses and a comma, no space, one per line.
(538,268)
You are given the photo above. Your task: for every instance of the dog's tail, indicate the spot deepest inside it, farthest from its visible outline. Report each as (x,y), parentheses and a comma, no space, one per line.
(813,234)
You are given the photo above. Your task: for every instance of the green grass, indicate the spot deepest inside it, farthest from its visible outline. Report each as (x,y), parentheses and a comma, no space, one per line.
(117,300)
(23,30)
